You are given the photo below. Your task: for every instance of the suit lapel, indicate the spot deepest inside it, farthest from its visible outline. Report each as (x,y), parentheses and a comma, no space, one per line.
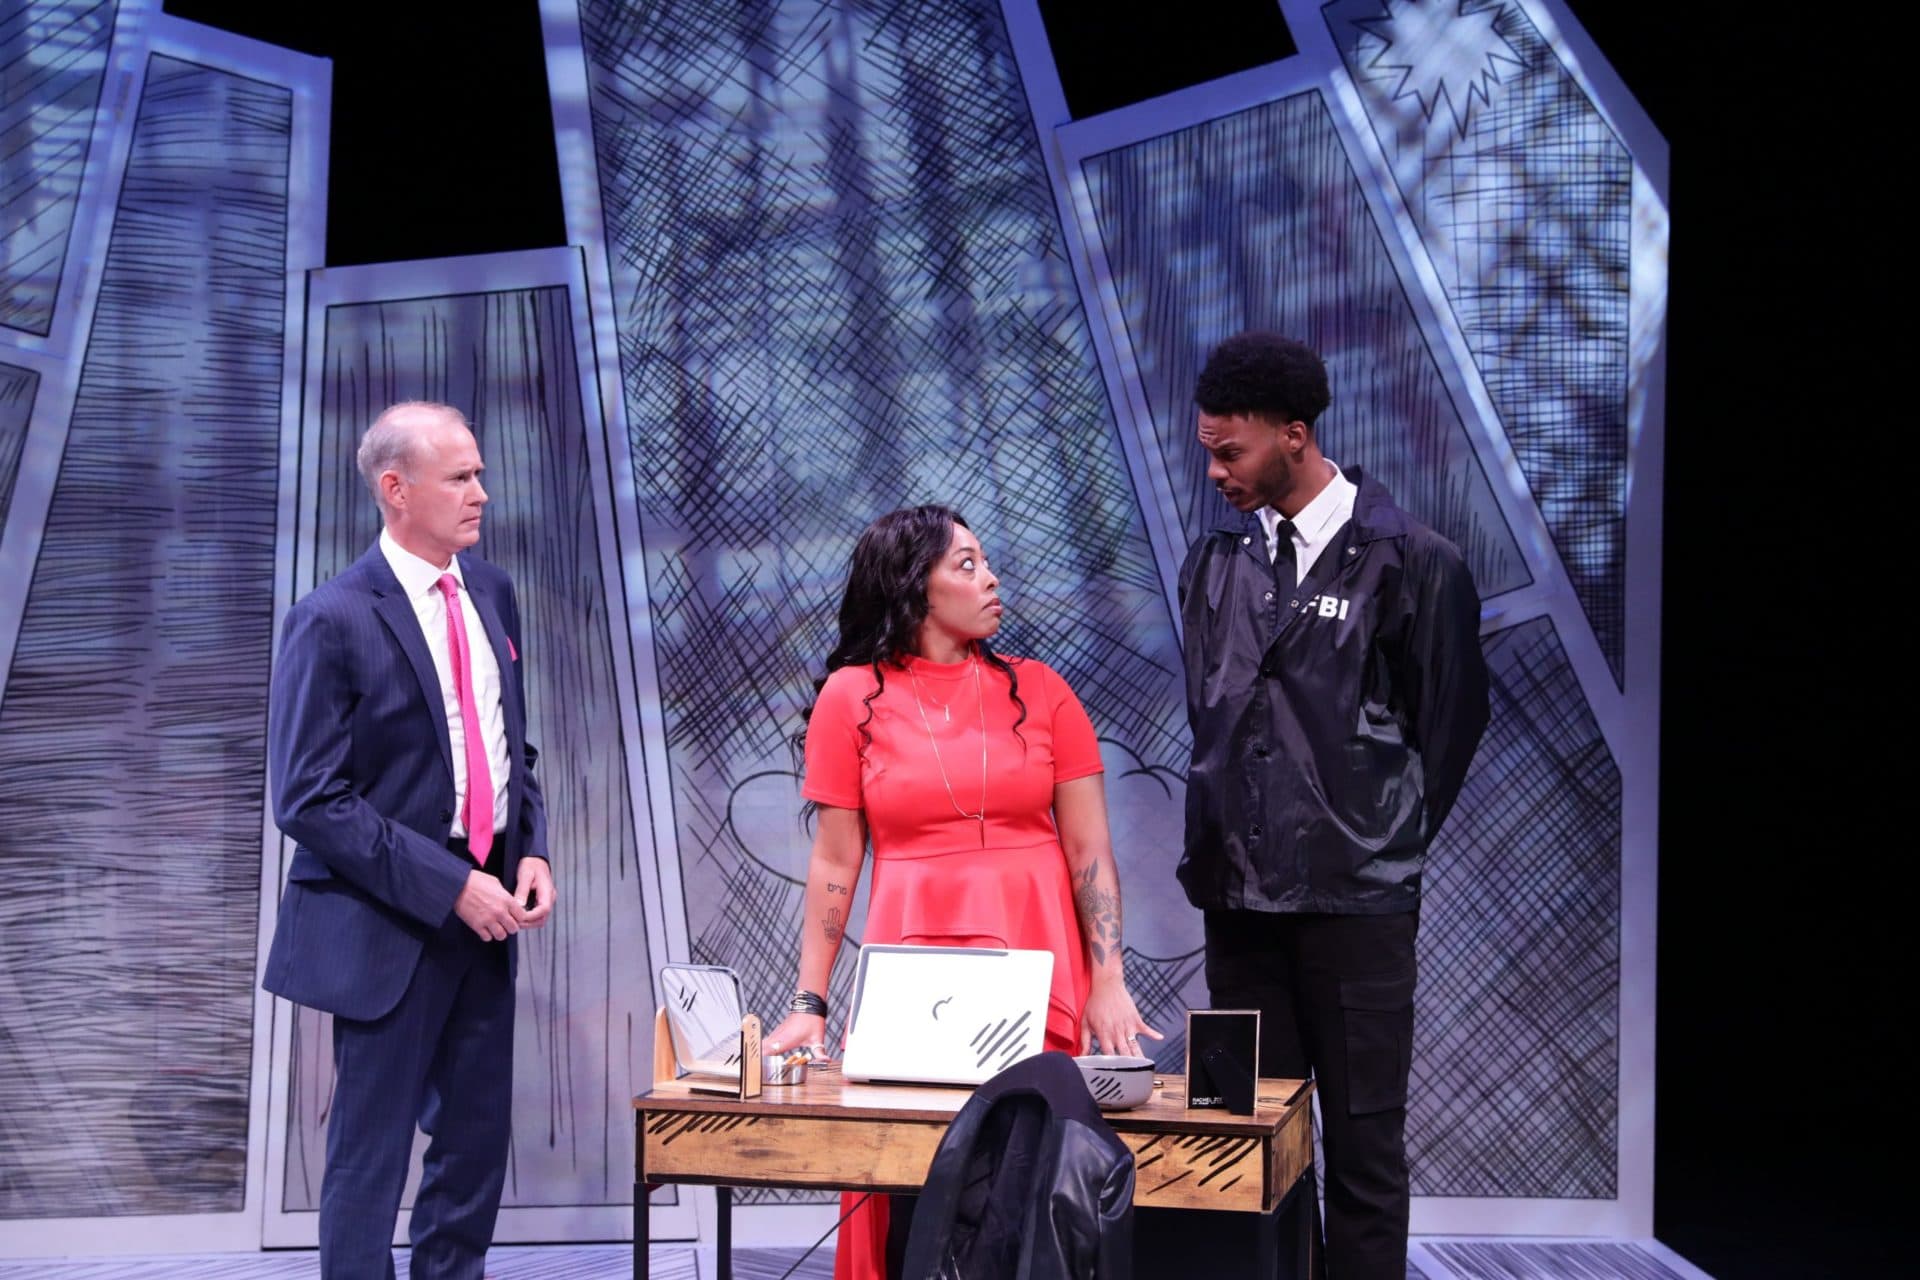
(483,600)
(394,609)
(480,591)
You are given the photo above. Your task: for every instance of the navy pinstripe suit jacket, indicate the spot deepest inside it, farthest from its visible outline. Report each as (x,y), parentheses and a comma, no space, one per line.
(361,768)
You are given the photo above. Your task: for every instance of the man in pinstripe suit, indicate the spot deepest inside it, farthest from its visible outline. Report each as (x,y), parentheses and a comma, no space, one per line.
(401,769)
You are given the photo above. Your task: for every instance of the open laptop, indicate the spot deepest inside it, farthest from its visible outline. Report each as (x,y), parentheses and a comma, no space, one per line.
(703,1018)
(945,1015)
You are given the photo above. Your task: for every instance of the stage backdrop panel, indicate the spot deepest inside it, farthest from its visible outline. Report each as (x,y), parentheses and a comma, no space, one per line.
(54,56)
(17,389)
(1523,194)
(839,287)
(132,732)
(1515,1088)
(1435,198)
(507,357)
(838,257)
(1283,239)
(1257,221)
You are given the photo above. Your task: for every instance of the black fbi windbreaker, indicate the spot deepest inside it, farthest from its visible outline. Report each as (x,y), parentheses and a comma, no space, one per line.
(1332,722)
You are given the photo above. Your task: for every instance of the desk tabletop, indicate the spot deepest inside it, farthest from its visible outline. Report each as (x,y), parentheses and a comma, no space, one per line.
(827,1095)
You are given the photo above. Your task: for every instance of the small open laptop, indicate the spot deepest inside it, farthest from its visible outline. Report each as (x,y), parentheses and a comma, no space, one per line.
(945,1015)
(703,1016)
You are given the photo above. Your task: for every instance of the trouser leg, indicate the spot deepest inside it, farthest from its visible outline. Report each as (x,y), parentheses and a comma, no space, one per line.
(1354,984)
(1250,966)
(467,1115)
(380,1069)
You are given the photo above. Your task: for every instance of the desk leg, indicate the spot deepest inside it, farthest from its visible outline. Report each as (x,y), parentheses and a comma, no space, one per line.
(1303,1205)
(723,1232)
(640,1231)
(1287,1240)
(642,1228)
(1266,1246)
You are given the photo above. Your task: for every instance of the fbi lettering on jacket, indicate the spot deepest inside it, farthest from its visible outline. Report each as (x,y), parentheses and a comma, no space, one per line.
(1327,606)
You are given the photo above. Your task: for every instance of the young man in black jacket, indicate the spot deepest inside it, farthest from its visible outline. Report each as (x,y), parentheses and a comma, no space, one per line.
(1336,691)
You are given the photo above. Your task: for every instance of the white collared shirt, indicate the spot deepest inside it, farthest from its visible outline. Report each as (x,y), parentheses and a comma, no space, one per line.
(419,580)
(1316,525)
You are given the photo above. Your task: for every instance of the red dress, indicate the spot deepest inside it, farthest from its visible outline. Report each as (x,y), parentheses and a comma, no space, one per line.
(939,878)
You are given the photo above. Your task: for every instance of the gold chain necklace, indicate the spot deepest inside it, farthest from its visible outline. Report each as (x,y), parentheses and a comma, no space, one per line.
(946,708)
(981,816)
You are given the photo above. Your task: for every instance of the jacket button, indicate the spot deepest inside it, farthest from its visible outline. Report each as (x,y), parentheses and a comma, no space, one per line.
(1254,831)
(1295,604)
(1246,541)
(446,815)
(1269,595)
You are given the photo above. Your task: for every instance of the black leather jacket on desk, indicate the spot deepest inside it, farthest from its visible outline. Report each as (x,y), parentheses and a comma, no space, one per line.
(1333,721)
(1029,1183)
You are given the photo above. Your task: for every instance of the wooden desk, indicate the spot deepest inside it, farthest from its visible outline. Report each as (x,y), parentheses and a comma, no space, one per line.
(831,1134)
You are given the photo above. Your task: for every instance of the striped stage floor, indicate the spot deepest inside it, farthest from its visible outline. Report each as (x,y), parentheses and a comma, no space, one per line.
(1431,1258)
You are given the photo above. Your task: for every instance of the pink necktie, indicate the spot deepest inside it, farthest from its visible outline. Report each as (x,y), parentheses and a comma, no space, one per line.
(478,814)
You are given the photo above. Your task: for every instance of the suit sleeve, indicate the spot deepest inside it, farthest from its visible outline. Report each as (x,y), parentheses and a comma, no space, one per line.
(533,809)
(533,802)
(310,756)
(1446,680)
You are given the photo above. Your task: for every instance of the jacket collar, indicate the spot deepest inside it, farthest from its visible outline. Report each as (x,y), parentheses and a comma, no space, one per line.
(416,576)
(1375,515)
(373,565)
(396,610)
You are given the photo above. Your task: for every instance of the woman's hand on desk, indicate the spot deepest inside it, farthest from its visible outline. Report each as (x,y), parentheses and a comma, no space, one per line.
(795,1030)
(1112,1019)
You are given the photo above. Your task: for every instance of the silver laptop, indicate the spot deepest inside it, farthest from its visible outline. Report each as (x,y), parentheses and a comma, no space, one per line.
(945,1015)
(703,1018)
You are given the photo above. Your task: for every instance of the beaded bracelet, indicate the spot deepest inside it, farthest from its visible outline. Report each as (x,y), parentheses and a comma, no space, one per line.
(807,1002)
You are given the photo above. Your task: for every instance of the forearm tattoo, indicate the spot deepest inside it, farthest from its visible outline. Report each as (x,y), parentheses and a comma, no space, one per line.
(1099,909)
(835,888)
(831,925)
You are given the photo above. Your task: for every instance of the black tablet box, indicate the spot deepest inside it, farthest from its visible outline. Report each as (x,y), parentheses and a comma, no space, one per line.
(1223,1059)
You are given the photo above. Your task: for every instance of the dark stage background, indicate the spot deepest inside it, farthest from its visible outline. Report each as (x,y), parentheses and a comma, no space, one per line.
(1777,979)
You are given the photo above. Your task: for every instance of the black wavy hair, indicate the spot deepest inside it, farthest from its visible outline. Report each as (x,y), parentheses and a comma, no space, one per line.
(885,602)
(1266,375)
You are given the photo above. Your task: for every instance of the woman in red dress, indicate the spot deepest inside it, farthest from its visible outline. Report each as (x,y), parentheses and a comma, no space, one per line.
(977,779)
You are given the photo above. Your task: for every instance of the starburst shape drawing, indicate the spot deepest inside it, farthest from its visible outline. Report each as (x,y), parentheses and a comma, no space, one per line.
(1444,52)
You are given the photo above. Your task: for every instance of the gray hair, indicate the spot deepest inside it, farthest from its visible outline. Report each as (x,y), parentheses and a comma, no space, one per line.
(388,443)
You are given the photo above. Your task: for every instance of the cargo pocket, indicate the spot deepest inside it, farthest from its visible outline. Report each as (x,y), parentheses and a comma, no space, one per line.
(1378,1013)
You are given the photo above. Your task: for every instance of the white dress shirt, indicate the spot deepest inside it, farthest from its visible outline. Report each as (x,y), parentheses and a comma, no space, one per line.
(1316,525)
(419,580)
